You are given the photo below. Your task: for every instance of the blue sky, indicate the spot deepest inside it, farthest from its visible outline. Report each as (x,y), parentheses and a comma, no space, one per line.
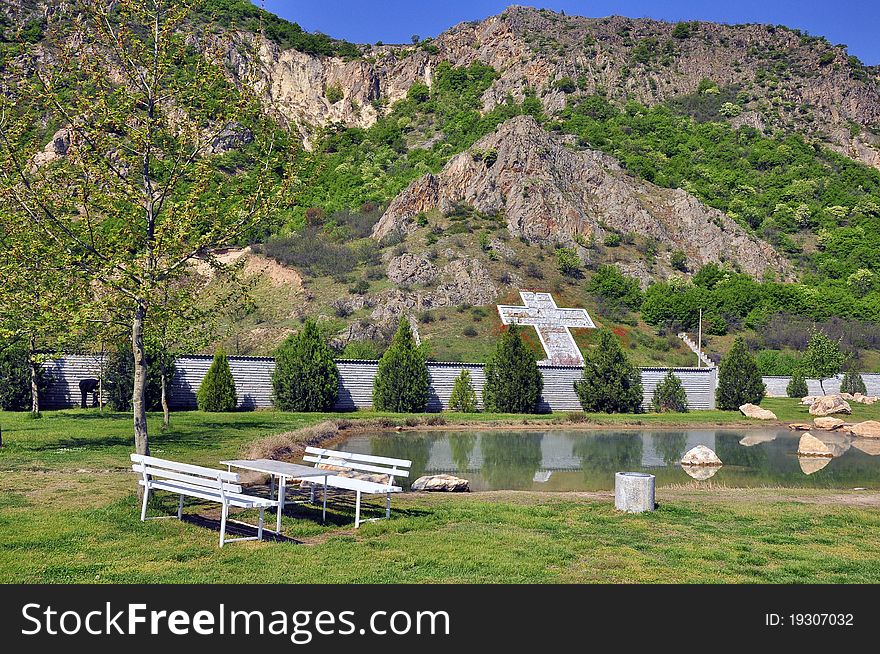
(852,22)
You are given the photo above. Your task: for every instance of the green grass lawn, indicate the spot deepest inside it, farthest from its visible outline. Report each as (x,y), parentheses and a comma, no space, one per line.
(68,514)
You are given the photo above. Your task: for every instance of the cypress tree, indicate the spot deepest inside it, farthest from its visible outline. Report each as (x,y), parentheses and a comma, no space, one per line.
(669,395)
(305,376)
(217,391)
(402,377)
(610,384)
(513,381)
(853,383)
(739,380)
(797,385)
(463,397)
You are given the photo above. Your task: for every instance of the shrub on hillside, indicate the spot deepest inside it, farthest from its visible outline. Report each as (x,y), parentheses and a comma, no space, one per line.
(402,377)
(610,383)
(669,395)
(739,380)
(463,397)
(217,390)
(513,381)
(305,376)
(797,385)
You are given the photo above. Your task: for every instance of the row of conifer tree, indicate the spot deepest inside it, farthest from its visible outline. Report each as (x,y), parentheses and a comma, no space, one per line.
(306,378)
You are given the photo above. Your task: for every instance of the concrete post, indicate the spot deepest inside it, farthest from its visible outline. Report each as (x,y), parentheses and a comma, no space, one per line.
(634,492)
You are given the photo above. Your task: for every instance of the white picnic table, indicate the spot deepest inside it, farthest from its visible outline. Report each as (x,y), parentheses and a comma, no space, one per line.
(283,471)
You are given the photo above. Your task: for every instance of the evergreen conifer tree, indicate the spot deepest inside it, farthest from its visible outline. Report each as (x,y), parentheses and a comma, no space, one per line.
(463,397)
(305,376)
(797,385)
(739,380)
(217,391)
(610,384)
(513,381)
(853,383)
(402,377)
(669,395)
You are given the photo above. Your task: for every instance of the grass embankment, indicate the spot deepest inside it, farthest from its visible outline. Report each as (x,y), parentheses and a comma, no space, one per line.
(68,514)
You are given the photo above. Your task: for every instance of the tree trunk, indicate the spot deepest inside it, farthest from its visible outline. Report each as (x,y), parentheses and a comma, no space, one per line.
(35,372)
(822,386)
(138,396)
(166,413)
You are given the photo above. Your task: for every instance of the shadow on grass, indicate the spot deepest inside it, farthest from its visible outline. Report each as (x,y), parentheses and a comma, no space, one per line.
(235,529)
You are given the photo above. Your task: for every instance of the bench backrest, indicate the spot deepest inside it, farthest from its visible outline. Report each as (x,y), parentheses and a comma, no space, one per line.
(382,465)
(150,466)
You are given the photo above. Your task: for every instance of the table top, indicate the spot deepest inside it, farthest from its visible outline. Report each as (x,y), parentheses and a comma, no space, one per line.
(280,468)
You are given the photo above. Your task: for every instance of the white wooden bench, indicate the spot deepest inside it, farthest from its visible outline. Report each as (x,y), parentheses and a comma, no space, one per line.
(195,481)
(359,463)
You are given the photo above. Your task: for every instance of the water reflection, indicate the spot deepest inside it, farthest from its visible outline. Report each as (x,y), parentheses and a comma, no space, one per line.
(511,460)
(701,473)
(587,460)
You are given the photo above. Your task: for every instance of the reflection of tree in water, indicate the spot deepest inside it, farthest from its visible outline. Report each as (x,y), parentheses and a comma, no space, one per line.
(510,460)
(414,447)
(732,453)
(609,451)
(462,446)
(669,445)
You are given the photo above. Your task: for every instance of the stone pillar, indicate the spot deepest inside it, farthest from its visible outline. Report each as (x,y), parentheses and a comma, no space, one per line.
(634,492)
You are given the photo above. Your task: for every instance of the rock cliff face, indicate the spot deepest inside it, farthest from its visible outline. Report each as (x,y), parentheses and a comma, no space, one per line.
(788,80)
(548,191)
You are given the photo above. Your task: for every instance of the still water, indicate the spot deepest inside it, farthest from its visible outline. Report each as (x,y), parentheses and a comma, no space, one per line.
(587,460)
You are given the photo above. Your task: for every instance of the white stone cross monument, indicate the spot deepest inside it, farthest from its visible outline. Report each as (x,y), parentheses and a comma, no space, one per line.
(552,323)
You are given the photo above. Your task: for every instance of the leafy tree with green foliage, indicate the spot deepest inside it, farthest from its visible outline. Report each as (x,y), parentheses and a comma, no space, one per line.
(823,358)
(610,383)
(156,106)
(513,380)
(402,380)
(305,376)
(610,284)
(463,397)
(739,380)
(853,383)
(15,377)
(217,390)
(568,262)
(797,385)
(669,395)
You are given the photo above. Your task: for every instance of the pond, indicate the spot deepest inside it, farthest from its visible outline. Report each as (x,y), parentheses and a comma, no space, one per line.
(587,460)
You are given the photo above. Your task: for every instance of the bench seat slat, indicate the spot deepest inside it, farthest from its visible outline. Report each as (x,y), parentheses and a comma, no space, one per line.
(366,458)
(345,463)
(186,467)
(233,499)
(190,479)
(362,485)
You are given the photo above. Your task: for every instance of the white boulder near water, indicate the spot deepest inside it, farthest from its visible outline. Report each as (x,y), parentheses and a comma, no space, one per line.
(866,429)
(809,445)
(754,411)
(441,484)
(700,456)
(827,405)
(828,423)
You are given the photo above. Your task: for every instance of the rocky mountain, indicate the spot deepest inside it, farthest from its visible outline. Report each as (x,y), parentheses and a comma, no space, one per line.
(783,79)
(549,191)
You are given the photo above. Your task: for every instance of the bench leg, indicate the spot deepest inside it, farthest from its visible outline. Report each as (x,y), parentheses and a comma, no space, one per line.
(312,496)
(223,525)
(357,511)
(180,509)
(260,526)
(144,505)
(388,506)
(324,510)
(282,489)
